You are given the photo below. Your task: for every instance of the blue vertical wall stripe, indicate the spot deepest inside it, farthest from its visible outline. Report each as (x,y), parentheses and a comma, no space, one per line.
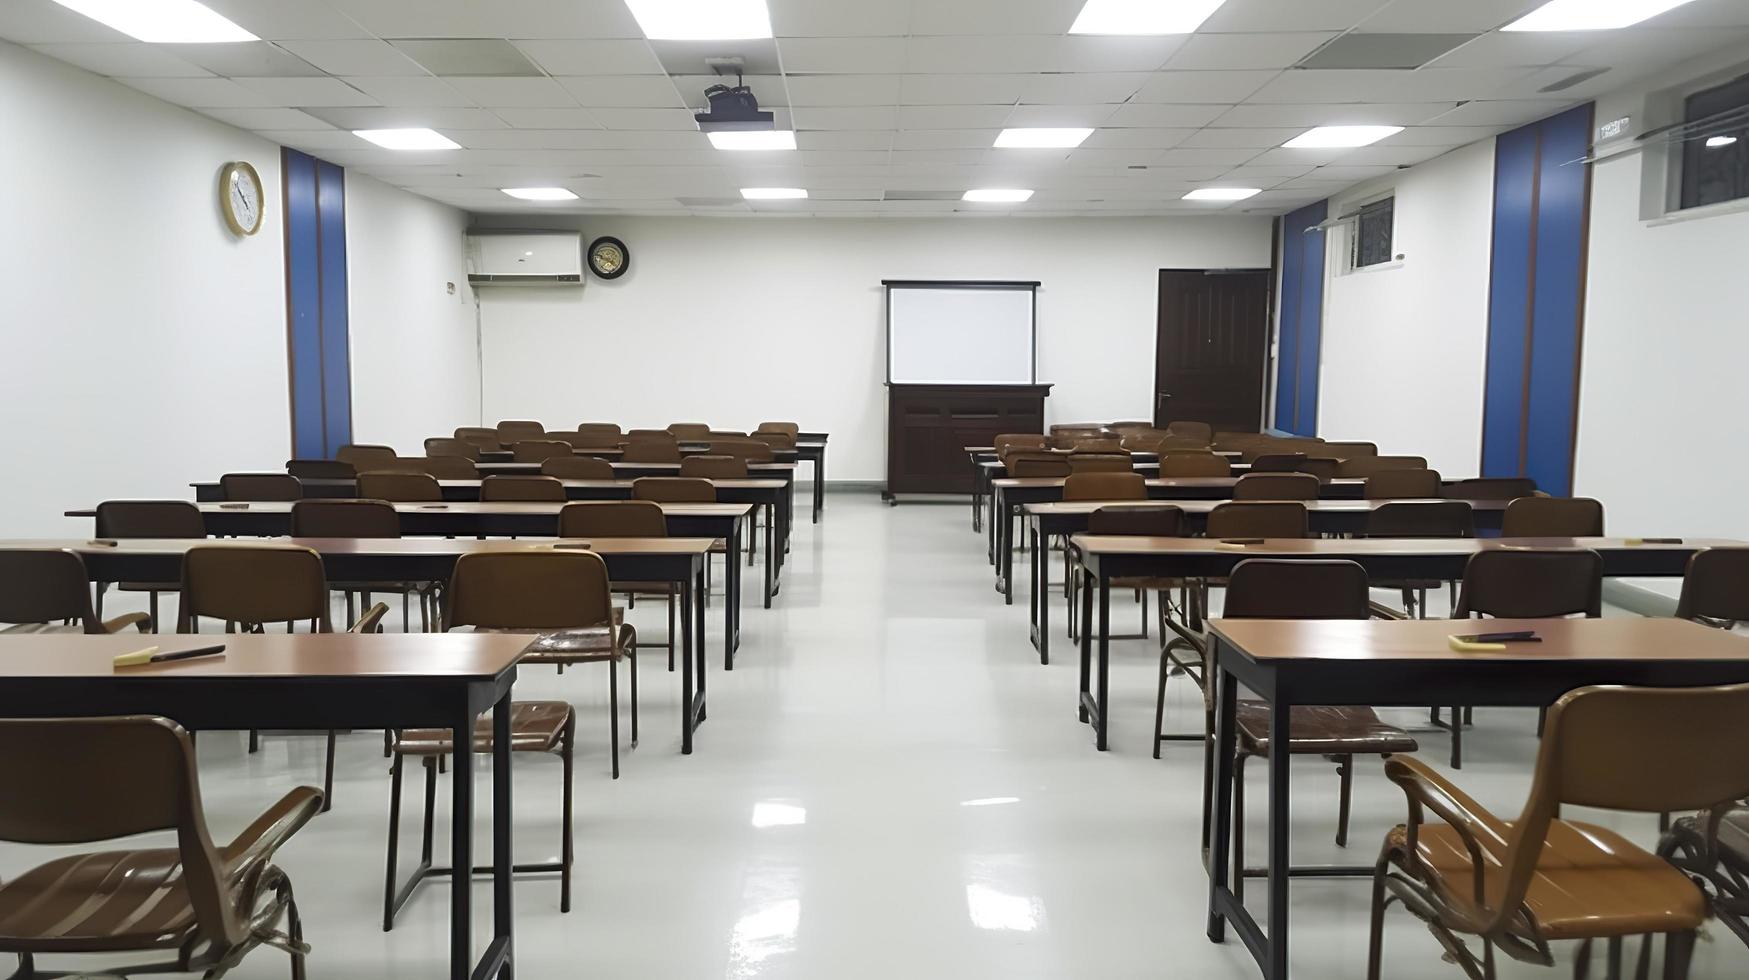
(1302,318)
(1536,302)
(303,306)
(336,358)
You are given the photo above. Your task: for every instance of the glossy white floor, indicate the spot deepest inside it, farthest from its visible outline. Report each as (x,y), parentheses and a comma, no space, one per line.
(889,785)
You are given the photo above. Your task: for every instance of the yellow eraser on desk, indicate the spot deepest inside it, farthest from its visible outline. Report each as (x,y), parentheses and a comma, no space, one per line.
(1229,546)
(137,658)
(1465,646)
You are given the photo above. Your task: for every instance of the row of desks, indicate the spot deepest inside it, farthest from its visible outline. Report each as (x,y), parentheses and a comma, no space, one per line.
(987,466)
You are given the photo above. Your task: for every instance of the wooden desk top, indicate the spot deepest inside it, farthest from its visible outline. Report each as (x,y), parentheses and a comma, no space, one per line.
(459,507)
(417,547)
(1120,544)
(1622,639)
(1204,506)
(459,656)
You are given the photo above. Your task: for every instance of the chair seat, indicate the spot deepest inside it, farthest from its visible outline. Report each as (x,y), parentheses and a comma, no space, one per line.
(118,900)
(1323,730)
(535,726)
(40,629)
(1590,882)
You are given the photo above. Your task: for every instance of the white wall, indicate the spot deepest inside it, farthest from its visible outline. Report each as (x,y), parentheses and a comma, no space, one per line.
(415,344)
(738,321)
(1405,345)
(144,344)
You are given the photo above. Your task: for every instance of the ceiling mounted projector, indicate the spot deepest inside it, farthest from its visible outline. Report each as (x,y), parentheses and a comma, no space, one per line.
(734,108)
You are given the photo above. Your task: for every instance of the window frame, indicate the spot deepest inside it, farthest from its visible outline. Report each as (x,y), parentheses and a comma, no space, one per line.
(1683,177)
(1383,202)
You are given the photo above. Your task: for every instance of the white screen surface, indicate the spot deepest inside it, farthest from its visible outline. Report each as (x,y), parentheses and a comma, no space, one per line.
(939,335)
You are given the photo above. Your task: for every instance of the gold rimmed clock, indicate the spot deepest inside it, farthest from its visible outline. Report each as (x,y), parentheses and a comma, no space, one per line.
(240,197)
(608,258)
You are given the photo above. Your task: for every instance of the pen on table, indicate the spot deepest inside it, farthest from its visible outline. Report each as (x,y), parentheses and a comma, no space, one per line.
(151,655)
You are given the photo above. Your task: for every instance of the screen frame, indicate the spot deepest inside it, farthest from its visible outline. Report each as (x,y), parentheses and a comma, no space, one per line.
(1032,286)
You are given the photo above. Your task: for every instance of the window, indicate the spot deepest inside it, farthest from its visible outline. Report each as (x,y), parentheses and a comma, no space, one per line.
(1371,238)
(1715,145)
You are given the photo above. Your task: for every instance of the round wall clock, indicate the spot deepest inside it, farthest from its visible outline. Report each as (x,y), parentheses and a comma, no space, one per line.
(608,257)
(240,197)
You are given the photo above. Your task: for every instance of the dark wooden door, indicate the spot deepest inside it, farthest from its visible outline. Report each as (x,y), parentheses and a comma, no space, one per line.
(1212,346)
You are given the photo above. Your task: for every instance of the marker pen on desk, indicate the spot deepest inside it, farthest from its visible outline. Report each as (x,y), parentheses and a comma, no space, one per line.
(150,655)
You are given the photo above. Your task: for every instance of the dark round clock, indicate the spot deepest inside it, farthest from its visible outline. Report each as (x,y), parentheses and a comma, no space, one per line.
(608,257)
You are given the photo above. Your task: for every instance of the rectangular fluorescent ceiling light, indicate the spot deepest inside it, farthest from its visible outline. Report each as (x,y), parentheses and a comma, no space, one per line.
(407,139)
(758,139)
(539,193)
(1221,193)
(702,20)
(1143,16)
(1333,137)
(1590,15)
(162,21)
(1042,138)
(774,193)
(997,195)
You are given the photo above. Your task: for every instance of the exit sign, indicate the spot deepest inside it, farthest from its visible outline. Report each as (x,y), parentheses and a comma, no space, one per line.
(1615,127)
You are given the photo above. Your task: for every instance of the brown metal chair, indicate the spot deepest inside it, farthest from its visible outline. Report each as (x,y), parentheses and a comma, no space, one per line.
(1194,465)
(1552,517)
(1364,466)
(375,519)
(602,430)
(1402,485)
(261,486)
(365,457)
(146,519)
(522,489)
(1105,486)
(1258,519)
(1715,587)
(750,450)
(790,429)
(591,519)
(1523,884)
(1348,450)
(452,447)
(1018,441)
(1278,462)
(399,487)
(577,468)
(674,490)
(485,439)
(1199,431)
(1419,519)
(1322,467)
(714,467)
(650,451)
(1277,486)
(540,450)
(46,591)
(516,430)
(1104,445)
(197,907)
(690,431)
(1294,589)
(1025,464)
(447,467)
(1101,463)
(651,435)
(320,469)
(1491,488)
(776,440)
(1163,521)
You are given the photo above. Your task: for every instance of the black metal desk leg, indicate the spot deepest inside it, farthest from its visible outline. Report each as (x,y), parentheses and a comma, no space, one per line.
(1007,554)
(1086,646)
(819,483)
(768,580)
(686,664)
(1220,821)
(1044,601)
(503,861)
(461,908)
(732,598)
(1280,713)
(1031,532)
(774,555)
(977,492)
(1104,660)
(990,530)
(698,625)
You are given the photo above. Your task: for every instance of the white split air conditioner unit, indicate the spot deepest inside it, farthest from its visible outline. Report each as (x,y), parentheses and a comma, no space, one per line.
(525,258)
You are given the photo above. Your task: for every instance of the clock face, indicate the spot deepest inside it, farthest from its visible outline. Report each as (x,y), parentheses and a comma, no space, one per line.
(608,258)
(240,198)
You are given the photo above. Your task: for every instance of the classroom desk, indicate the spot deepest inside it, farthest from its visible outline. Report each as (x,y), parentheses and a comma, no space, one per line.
(313,682)
(1052,515)
(1402,663)
(679,561)
(1105,557)
(982,473)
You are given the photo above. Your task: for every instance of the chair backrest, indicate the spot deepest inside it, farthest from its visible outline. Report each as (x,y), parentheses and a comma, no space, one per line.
(1027,441)
(1402,485)
(447,467)
(452,447)
(364,457)
(320,469)
(1527,583)
(345,519)
(650,451)
(149,519)
(714,467)
(516,430)
(1422,519)
(261,486)
(604,431)
(575,440)
(1119,462)
(481,437)
(751,450)
(400,487)
(728,434)
(651,435)
(253,585)
(540,450)
(1552,517)
(1105,486)
(1258,519)
(612,519)
(1128,425)
(1276,486)
(1078,429)
(1277,462)
(690,430)
(1194,465)
(790,429)
(45,586)
(1142,440)
(577,468)
(1322,467)
(1098,444)
(776,440)
(1261,588)
(1365,466)
(1716,586)
(523,489)
(529,590)
(1199,431)
(1348,450)
(1165,521)
(114,778)
(1491,488)
(1022,464)
(674,490)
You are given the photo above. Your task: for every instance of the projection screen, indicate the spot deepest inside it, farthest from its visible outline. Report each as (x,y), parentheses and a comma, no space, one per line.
(958,332)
